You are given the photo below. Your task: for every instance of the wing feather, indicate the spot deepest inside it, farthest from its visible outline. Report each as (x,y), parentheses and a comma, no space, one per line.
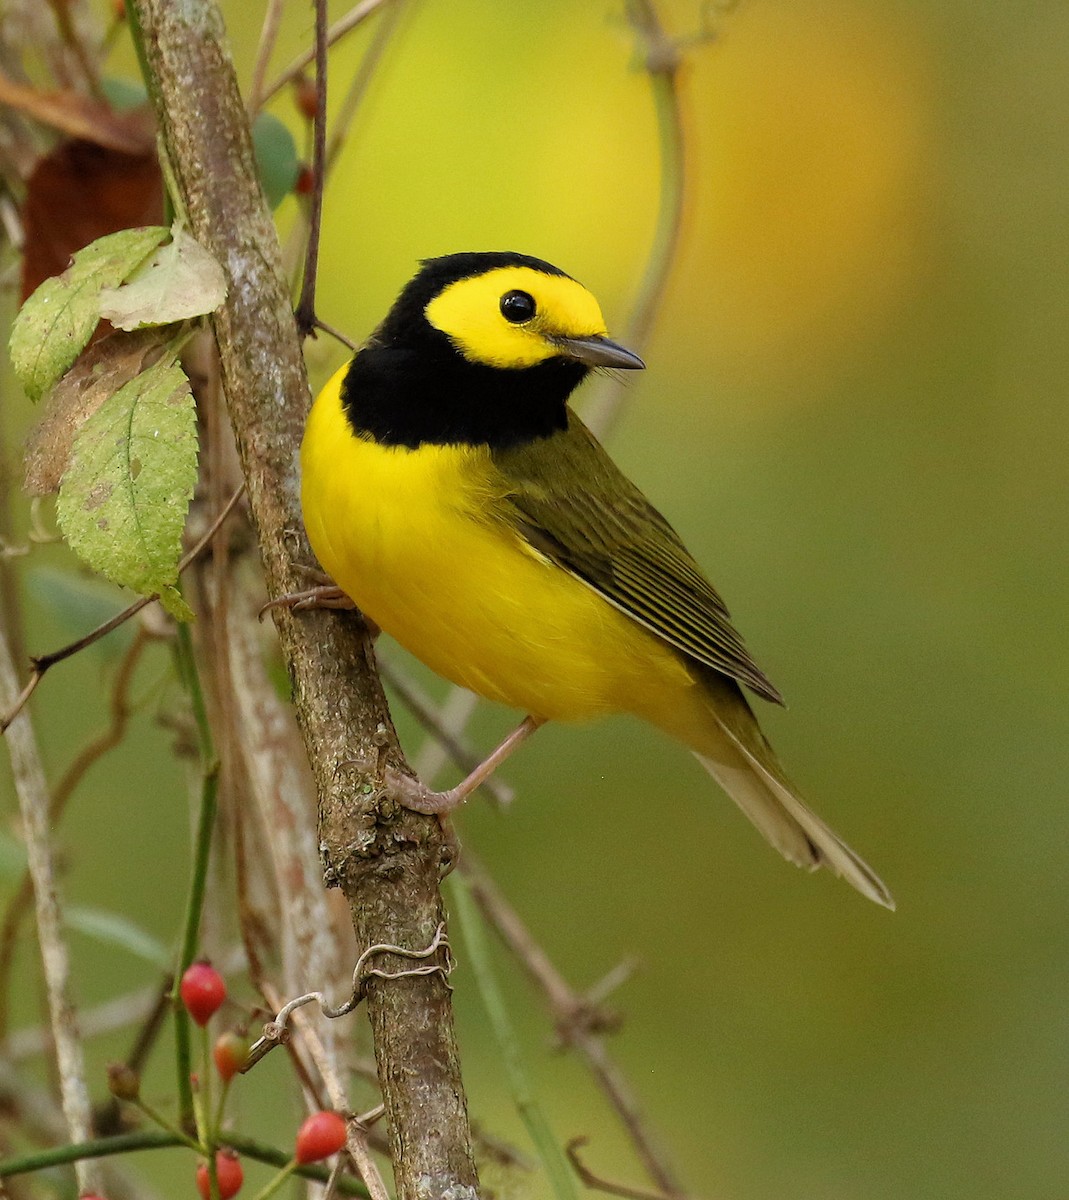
(606,533)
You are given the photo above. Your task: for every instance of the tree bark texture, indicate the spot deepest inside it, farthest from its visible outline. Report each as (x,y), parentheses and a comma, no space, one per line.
(384,858)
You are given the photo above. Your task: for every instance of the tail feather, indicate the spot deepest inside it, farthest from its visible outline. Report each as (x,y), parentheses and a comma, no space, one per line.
(744,765)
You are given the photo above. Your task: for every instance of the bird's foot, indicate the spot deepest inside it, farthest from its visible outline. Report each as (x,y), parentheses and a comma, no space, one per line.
(324,594)
(414,794)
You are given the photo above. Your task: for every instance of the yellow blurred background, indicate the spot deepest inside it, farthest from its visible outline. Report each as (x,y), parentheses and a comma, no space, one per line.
(855,414)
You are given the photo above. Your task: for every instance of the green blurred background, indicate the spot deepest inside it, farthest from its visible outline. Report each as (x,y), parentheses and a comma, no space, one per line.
(855,414)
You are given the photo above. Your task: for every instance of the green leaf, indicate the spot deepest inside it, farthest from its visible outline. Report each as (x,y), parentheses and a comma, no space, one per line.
(276,158)
(124,497)
(116,930)
(124,94)
(179,281)
(57,321)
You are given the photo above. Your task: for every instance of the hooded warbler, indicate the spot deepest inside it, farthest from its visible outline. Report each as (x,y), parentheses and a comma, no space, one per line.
(456,498)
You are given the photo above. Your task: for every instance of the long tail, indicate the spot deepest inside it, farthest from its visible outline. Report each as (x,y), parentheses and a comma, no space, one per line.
(739,758)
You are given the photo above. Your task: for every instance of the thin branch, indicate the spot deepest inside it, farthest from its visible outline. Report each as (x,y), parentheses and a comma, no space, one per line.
(579,1023)
(604,1185)
(303,229)
(337,334)
(22,899)
(268,37)
(109,1115)
(356,1140)
(347,111)
(352,19)
(39,1120)
(81,1153)
(454,716)
(32,790)
(306,306)
(45,661)
(662,59)
(157,1139)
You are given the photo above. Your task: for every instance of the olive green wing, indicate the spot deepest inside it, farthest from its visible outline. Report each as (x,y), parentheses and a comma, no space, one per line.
(571,502)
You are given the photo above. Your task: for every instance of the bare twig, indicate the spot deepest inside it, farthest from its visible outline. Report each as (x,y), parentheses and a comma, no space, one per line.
(109,1115)
(268,37)
(579,1023)
(355,17)
(303,230)
(384,31)
(20,902)
(662,59)
(604,1185)
(306,314)
(42,663)
(337,334)
(32,792)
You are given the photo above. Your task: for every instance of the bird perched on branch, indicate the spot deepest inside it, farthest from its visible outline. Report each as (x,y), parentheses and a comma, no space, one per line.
(455,497)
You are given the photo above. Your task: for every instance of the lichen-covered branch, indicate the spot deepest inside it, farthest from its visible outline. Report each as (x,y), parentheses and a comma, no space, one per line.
(385,859)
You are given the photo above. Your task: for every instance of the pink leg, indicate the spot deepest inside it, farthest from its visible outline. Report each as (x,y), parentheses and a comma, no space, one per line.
(417,796)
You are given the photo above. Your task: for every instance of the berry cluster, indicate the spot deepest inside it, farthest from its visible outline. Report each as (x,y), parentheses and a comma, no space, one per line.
(219,1174)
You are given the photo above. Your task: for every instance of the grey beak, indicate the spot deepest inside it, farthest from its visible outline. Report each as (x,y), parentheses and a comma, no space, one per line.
(598,352)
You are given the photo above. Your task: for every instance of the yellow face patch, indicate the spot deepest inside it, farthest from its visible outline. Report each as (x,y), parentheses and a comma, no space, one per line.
(469,313)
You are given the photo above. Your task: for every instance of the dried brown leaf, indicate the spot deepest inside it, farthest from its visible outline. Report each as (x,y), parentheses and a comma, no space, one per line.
(78,193)
(81,116)
(104,368)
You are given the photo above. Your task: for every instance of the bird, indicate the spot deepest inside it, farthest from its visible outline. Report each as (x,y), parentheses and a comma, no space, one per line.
(456,499)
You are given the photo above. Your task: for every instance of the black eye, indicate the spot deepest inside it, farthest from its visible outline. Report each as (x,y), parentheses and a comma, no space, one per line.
(517,307)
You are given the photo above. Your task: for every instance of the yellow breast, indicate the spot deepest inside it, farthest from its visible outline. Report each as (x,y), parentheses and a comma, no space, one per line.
(411,536)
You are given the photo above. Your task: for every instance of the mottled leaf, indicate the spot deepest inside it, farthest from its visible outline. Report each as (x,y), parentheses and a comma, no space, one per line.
(56,322)
(99,373)
(124,497)
(114,929)
(177,282)
(276,158)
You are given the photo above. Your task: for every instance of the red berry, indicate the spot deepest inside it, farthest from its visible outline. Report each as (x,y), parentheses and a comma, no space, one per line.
(305,183)
(230,1053)
(202,991)
(305,97)
(321,1135)
(227,1170)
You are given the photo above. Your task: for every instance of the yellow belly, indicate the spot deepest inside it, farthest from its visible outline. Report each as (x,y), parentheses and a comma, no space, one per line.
(406,534)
